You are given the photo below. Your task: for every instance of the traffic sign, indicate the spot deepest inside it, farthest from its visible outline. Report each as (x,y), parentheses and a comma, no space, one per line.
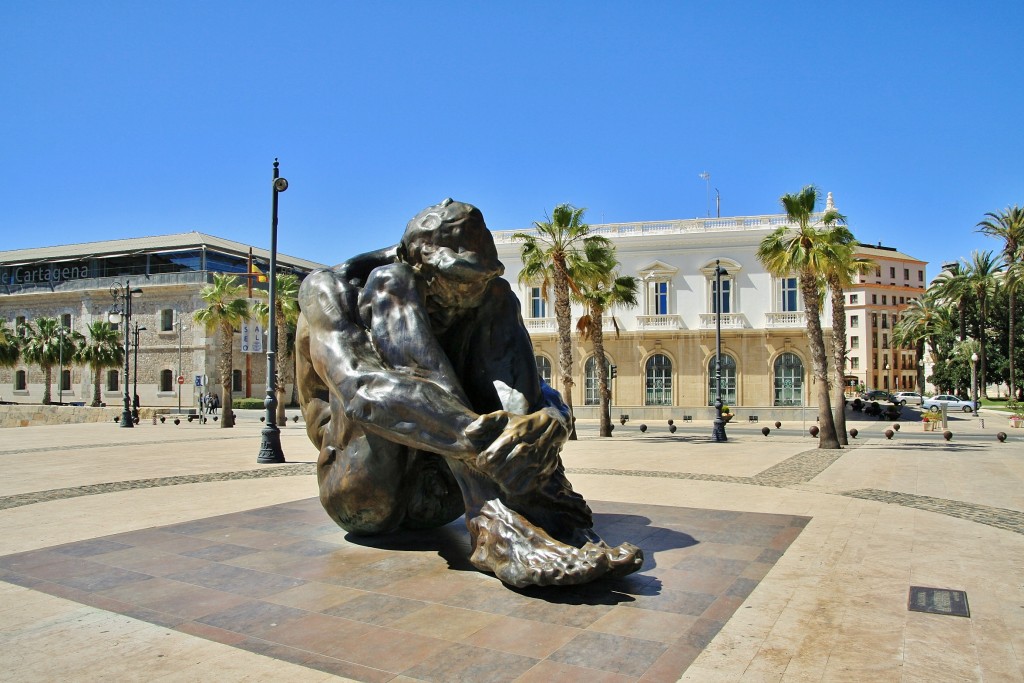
(181,379)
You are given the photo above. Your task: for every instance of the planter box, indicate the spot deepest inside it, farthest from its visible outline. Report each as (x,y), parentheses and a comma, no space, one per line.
(1016,422)
(931,425)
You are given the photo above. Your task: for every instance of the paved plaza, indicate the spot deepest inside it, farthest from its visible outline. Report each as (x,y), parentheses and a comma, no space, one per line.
(166,553)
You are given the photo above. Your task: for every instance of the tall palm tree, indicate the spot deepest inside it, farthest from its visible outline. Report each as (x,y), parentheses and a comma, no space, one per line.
(804,250)
(923,322)
(286,301)
(553,258)
(982,274)
(602,289)
(952,287)
(1008,225)
(844,266)
(226,308)
(10,346)
(47,341)
(101,350)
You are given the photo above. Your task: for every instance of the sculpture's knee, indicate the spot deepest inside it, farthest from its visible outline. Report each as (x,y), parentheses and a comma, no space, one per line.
(361,500)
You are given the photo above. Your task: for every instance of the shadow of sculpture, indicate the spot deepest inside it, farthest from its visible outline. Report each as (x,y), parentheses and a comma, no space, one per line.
(418,384)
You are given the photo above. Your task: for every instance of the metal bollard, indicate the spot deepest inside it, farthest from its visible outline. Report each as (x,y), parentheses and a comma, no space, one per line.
(981,420)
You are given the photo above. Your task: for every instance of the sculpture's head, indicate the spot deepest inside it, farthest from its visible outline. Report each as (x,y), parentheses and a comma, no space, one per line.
(450,245)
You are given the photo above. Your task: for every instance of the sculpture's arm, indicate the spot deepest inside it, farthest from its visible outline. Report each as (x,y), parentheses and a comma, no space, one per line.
(397,382)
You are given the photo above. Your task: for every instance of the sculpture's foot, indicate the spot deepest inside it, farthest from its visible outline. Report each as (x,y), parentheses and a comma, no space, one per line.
(521,554)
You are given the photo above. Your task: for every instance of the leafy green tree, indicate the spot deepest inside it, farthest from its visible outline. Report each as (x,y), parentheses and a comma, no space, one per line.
(602,289)
(286,301)
(1008,226)
(100,350)
(805,250)
(10,346)
(952,287)
(553,258)
(923,322)
(226,308)
(46,342)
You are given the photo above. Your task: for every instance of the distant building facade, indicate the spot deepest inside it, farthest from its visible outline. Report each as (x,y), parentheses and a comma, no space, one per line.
(664,352)
(72,283)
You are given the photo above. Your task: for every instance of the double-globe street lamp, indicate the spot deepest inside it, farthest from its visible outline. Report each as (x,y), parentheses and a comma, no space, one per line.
(974,384)
(121,311)
(270,443)
(718,432)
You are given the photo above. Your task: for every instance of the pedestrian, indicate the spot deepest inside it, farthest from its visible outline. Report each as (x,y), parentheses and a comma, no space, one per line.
(214,403)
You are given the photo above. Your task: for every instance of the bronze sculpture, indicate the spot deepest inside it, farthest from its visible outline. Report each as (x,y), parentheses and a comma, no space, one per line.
(419,386)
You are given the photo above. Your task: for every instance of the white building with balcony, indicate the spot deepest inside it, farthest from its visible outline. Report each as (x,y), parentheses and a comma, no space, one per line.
(665,351)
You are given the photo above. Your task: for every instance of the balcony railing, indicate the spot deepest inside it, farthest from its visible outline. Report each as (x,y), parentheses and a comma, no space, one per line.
(540,324)
(785,319)
(659,322)
(673,227)
(732,321)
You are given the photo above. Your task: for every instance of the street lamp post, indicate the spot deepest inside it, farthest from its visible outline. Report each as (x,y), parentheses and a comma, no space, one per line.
(121,311)
(180,326)
(135,374)
(718,432)
(60,373)
(270,445)
(974,384)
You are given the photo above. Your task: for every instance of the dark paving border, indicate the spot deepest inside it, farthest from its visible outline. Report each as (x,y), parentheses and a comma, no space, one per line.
(285,582)
(1001,518)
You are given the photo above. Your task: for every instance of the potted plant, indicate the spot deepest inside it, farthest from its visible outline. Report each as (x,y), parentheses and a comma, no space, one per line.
(1017,418)
(726,415)
(930,422)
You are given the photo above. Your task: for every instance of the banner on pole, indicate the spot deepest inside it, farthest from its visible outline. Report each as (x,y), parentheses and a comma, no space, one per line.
(252,336)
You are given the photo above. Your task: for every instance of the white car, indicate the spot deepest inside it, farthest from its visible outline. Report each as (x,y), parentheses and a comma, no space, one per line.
(935,403)
(905,397)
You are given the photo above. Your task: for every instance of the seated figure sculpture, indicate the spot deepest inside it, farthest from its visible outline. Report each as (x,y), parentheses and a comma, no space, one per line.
(418,384)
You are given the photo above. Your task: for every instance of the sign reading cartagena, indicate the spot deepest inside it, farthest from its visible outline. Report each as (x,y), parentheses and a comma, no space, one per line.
(42,272)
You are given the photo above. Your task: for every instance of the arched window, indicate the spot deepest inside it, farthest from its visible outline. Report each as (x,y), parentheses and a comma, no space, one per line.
(65,380)
(789,380)
(544,368)
(728,380)
(659,381)
(166,380)
(591,388)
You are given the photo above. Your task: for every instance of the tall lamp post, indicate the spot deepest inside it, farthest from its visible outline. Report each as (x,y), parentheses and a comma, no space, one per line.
(974,384)
(120,312)
(270,446)
(718,433)
(60,374)
(180,326)
(135,373)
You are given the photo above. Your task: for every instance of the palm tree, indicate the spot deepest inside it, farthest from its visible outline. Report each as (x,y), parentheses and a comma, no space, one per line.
(226,308)
(553,258)
(286,301)
(1008,225)
(10,346)
(805,250)
(47,341)
(844,266)
(923,322)
(951,286)
(982,276)
(602,289)
(103,349)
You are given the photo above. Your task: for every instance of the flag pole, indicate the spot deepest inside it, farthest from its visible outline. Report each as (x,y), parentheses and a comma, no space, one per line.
(248,356)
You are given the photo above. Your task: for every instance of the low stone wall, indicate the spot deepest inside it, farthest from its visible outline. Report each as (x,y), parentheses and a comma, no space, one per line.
(40,415)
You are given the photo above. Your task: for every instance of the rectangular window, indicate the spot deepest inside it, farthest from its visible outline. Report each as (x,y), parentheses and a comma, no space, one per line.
(920,276)
(854,342)
(874,320)
(726,296)
(854,321)
(892,271)
(65,380)
(885,299)
(236,380)
(167,320)
(20,380)
(65,321)
(878,271)
(885,341)
(789,294)
(874,298)
(855,299)
(112,380)
(906,273)
(855,363)
(885,321)
(659,298)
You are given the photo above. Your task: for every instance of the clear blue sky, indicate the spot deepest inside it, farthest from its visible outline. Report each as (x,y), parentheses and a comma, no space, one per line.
(124,119)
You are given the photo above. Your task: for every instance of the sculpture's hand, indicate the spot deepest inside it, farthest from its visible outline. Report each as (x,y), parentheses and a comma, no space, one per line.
(523,449)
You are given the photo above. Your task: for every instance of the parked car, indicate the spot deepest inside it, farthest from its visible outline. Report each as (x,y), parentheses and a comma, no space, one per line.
(905,397)
(876,395)
(935,403)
